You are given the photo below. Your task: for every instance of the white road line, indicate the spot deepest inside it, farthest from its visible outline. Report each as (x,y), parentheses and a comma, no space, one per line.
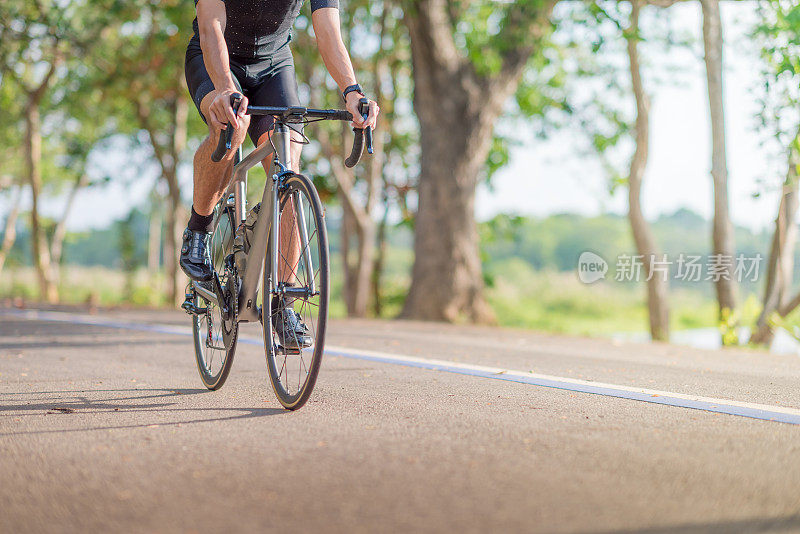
(653,396)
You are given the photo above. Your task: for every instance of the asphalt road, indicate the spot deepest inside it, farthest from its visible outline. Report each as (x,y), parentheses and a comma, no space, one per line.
(107,429)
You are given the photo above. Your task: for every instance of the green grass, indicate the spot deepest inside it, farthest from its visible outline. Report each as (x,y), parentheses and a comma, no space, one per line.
(98,285)
(520,296)
(559,302)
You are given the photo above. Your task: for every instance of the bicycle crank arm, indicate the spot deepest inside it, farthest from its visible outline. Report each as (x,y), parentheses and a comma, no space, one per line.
(205,293)
(298,292)
(223,306)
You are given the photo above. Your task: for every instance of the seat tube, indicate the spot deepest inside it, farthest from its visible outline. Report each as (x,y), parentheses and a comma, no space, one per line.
(240,197)
(239,191)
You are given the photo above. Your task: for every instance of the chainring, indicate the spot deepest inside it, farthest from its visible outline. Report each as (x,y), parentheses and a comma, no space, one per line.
(231,289)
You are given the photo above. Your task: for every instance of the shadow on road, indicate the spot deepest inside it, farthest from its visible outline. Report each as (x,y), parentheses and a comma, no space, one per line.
(60,343)
(77,403)
(767,524)
(25,327)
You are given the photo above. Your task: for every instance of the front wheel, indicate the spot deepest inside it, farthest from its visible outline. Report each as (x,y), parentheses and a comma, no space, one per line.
(293,361)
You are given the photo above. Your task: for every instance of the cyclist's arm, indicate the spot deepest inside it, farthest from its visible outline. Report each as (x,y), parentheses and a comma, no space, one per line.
(211,21)
(337,60)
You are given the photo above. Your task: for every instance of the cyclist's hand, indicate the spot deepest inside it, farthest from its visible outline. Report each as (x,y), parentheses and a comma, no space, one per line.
(221,113)
(352,106)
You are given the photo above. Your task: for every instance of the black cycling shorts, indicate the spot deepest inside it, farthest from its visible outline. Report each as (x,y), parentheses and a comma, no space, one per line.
(266,82)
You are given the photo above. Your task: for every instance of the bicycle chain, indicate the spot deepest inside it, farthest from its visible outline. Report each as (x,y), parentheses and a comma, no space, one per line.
(232,287)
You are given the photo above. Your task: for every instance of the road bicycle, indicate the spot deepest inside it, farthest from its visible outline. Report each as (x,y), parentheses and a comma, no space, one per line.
(246,248)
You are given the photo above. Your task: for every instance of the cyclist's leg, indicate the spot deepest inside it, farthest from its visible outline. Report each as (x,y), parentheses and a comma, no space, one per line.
(210,178)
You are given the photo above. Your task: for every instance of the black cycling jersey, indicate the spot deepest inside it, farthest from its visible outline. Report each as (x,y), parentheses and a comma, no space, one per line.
(255,29)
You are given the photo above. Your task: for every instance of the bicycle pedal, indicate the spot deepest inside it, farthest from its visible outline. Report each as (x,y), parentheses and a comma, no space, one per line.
(188,305)
(290,352)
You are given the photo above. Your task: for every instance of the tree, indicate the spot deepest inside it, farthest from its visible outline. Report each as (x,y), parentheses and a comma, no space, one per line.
(776,31)
(32,55)
(10,228)
(723,239)
(606,118)
(38,46)
(144,81)
(460,88)
(383,71)
(11,181)
(642,234)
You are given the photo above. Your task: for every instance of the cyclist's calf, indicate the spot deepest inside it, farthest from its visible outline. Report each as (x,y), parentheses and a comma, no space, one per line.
(210,178)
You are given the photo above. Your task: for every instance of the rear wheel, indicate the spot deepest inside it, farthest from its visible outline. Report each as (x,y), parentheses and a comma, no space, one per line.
(293,371)
(215,334)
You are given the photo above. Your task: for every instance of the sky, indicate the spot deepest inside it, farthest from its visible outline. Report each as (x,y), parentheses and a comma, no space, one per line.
(545,177)
(550,176)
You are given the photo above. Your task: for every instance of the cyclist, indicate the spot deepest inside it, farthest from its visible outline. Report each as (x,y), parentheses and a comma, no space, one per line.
(242,46)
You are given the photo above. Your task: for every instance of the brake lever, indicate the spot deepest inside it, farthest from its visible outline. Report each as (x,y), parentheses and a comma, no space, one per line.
(236,101)
(363,108)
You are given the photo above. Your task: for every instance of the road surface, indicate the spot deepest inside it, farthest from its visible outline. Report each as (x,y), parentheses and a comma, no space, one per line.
(104,427)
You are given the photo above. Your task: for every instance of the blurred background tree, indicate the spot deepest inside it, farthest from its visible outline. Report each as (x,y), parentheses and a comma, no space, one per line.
(94,98)
(777,32)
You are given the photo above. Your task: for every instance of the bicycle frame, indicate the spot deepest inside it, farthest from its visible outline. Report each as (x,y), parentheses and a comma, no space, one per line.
(281,139)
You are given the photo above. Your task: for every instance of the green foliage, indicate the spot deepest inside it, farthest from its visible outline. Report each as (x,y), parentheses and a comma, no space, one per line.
(592,37)
(776,32)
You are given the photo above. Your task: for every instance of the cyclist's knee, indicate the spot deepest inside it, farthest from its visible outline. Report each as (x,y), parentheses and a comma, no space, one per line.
(239,135)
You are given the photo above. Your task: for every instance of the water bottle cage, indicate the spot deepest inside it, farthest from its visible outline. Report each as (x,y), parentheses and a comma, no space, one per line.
(244,238)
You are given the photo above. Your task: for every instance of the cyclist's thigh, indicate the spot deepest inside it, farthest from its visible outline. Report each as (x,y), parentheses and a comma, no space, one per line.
(276,86)
(197,79)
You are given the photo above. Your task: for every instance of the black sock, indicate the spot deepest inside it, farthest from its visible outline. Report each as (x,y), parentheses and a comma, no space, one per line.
(201,223)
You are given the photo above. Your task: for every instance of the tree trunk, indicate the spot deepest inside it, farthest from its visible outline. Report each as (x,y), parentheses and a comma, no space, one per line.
(363,269)
(60,233)
(642,234)
(723,239)
(356,222)
(457,108)
(447,281)
(168,156)
(345,237)
(154,238)
(10,233)
(171,239)
(177,213)
(380,259)
(780,265)
(33,154)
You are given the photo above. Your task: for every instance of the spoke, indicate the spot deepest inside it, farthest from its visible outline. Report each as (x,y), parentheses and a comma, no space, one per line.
(293,268)
(309,303)
(302,360)
(286,261)
(308,307)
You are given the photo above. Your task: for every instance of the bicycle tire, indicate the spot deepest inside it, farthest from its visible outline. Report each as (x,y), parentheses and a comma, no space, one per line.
(294,400)
(220,248)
